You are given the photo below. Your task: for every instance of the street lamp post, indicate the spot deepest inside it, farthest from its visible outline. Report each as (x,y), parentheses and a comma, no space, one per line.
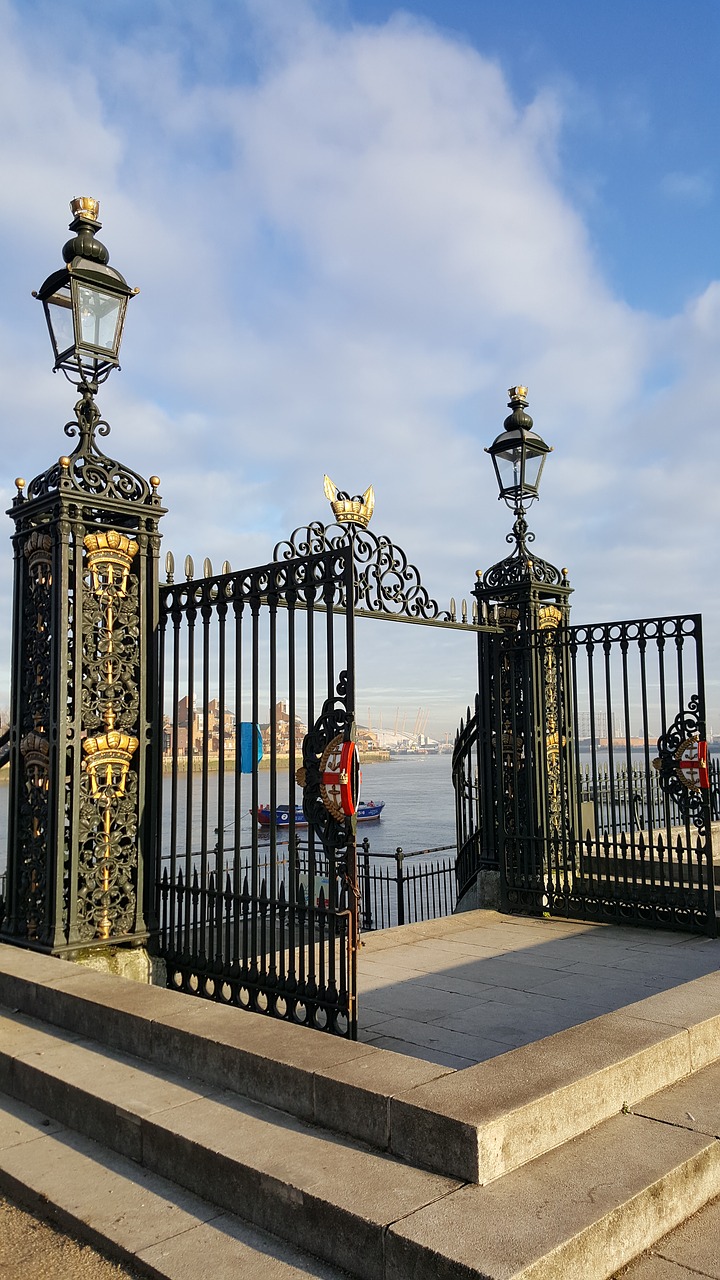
(525,696)
(83,800)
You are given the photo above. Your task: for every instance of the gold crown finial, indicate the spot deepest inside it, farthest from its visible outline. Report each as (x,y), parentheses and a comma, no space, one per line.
(347,510)
(85,207)
(517,393)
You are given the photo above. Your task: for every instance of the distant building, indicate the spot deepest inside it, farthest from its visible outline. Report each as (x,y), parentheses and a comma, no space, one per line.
(192,726)
(284,732)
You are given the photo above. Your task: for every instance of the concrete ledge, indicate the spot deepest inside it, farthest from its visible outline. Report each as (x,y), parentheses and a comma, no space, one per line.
(270,1061)
(323,1194)
(475,1125)
(489,1119)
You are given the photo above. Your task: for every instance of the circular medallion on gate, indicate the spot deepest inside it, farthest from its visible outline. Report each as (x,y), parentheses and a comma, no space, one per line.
(340,778)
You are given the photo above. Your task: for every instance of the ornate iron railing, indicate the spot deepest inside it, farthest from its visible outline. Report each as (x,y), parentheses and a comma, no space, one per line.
(395,888)
(633,798)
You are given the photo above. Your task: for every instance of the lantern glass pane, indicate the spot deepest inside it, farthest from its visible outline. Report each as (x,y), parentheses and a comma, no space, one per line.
(533,467)
(58,310)
(99,316)
(509,465)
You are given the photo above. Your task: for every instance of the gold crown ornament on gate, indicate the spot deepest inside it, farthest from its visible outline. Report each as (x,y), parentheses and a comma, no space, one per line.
(107,760)
(347,510)
(109,557)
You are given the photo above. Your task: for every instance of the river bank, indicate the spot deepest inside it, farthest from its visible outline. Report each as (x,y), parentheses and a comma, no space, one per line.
(282,762)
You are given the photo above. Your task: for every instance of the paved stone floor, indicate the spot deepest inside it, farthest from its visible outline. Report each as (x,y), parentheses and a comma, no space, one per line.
(466,988)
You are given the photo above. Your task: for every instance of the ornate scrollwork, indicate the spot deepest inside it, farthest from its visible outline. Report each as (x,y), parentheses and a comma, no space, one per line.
(384,580)
(34,744)
(522,567)
(87,469)
(107,853)
(678,772)
(549,620)
(35,752)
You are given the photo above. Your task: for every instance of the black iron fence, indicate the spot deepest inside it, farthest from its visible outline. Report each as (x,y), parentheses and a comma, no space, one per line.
(405,888)
(256,662)
(208,916)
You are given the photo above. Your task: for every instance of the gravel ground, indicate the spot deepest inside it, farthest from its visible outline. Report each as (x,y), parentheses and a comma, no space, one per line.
(30,1246)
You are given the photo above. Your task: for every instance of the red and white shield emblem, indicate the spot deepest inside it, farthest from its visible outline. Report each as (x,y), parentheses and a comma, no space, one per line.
(341,778)
(691,764)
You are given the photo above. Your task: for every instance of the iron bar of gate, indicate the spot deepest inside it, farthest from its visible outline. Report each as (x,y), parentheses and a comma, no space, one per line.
(625,845)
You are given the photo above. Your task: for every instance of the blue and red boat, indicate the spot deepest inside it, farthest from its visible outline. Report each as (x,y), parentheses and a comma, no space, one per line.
(366,812)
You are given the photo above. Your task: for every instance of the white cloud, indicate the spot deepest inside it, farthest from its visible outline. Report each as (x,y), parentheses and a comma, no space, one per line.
(345,259)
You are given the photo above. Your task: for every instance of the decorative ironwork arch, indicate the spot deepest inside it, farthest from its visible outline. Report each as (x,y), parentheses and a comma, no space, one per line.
(385,582)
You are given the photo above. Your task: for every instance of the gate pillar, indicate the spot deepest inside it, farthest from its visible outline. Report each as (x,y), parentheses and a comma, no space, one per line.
(84,755)
(525,697)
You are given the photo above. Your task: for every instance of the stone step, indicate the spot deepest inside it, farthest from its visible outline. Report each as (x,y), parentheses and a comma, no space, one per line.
(328,1196)
(579,1212)
(475,1125)
(130,1214)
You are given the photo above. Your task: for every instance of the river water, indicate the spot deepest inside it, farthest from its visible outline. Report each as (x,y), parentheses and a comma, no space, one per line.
(419,808)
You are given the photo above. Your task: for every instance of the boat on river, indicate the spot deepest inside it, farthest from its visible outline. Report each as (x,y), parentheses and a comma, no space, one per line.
(367,811)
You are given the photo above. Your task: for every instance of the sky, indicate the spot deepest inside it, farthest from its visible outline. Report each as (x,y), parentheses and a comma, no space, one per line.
(354,225)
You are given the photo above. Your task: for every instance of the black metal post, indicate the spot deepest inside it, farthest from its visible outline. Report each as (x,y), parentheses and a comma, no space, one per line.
(524,728)
(367,923)
(400,883)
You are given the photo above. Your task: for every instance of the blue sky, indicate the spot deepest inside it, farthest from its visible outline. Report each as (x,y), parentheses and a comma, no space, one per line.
(354,225)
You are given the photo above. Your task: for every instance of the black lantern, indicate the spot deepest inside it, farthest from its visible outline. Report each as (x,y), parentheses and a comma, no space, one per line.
(85,303)
(518,454)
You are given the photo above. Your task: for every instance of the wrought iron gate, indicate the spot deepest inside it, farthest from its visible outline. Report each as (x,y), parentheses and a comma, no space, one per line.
(596,787)
(261,663)
(255,663)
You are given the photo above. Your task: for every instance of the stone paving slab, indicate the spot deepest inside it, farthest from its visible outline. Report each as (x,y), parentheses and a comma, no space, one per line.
(465,988)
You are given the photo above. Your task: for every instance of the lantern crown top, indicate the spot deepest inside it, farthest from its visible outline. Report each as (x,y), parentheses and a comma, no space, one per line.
(85,302)
(86,207)
(518,419)
(85,210)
